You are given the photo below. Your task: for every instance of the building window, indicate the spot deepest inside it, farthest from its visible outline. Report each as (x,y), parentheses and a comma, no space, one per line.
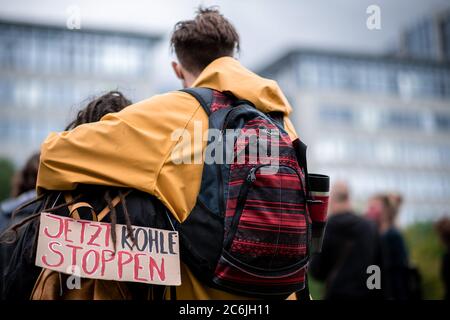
(442,122)
(336,115)
(397,119)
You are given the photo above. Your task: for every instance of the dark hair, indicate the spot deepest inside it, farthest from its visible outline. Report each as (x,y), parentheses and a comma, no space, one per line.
(25,179)
(200,41)
(113,101)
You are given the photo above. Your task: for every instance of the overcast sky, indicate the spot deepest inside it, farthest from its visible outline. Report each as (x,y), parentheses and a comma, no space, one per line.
(267,28)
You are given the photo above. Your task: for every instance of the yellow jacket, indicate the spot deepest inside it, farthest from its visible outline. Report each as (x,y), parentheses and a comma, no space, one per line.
(133,148)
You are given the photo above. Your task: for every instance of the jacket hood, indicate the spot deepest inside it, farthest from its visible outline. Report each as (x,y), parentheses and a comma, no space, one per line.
(227,74)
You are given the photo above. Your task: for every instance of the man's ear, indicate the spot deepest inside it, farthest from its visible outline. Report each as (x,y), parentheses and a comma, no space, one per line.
(177,69)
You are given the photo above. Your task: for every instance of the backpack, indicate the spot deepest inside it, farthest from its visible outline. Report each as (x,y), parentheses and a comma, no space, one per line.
(250,231)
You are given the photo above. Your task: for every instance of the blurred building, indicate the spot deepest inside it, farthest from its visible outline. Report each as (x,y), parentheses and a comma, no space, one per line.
(381,123)
(48,72)
(428,39)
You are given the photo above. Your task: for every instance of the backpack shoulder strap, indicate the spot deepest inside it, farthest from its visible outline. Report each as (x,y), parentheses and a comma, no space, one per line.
(203,95)
(300,149)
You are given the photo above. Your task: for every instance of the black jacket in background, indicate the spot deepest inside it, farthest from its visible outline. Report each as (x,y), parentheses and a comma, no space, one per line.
(351,244)
(396,265)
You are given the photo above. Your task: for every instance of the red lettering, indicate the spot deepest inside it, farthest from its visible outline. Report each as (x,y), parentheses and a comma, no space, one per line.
(61,257)
(83,229)
(107,234)
(95,235)
(74,253)
(67,230)
(121,263)
(60,230)
(138,267)
(105,260)
(161,271)
(96,262)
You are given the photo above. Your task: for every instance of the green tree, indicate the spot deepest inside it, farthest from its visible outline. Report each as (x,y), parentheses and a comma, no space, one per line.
(6,174)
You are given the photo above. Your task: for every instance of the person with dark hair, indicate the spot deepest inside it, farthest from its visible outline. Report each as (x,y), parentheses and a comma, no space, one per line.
(402,281)
(139,141)
(23,190)
(25,180)
(200,41)
(443,229)
(351,244)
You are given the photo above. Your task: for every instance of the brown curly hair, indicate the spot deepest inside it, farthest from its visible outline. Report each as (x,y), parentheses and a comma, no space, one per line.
(200,41)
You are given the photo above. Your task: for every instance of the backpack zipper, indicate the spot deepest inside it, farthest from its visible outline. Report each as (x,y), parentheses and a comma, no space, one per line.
(250,179)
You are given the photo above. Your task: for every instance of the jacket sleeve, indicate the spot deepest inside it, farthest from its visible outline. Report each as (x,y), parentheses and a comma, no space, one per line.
(124,149)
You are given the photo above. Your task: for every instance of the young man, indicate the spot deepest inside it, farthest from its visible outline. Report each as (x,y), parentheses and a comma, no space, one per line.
(134,147)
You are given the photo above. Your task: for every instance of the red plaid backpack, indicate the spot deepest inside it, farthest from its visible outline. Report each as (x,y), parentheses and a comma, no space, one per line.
(250,231)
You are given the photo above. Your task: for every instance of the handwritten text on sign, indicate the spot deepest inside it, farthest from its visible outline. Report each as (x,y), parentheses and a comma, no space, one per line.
(65,242)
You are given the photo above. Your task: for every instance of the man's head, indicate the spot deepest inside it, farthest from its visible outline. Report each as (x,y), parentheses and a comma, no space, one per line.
(340,198)
(200,41)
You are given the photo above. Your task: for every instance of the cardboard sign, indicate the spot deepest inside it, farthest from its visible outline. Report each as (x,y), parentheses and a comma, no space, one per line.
(66,244)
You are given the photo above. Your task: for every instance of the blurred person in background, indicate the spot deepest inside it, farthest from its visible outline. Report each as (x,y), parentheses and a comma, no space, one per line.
(443,229)
(351,244)
(401,280)
(23,190)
